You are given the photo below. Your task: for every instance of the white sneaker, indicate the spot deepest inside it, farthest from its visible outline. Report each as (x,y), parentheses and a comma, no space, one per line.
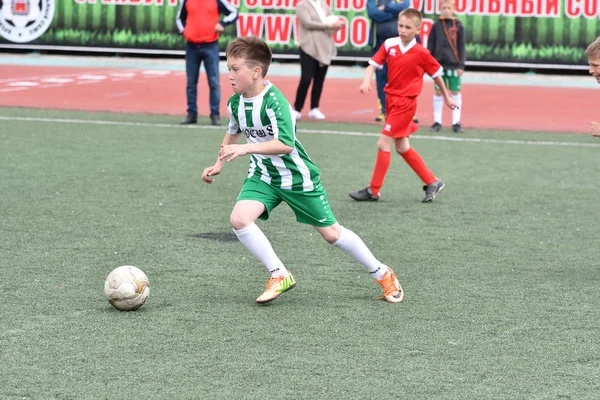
(297,115)
(315,113)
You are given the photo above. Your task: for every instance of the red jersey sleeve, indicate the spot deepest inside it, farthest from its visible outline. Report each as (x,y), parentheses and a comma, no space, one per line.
(430,65)
(379,58)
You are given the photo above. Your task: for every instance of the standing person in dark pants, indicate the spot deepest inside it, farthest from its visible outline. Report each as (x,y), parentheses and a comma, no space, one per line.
(384,25)
(198,21)
(316,26)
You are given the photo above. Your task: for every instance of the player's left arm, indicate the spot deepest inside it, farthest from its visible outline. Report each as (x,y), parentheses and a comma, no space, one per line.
(461,44)
(272,147)
(434,69)
(447,98)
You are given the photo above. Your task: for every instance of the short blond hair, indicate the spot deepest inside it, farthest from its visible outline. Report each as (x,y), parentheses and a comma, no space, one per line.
(412,13)
(593,50)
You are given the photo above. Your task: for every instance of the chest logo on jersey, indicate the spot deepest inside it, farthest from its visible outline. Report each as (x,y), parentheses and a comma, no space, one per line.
(258,132)
(249,108)
(392,51)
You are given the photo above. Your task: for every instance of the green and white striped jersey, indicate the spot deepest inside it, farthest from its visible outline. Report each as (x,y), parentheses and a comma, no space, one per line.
(266,117)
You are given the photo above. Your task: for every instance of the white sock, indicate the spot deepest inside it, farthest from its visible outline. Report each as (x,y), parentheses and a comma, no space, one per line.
(438,108)
(255,240)
(352,245)
(456,112)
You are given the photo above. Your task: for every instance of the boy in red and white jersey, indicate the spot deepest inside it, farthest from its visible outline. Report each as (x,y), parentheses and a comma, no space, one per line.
(407,62)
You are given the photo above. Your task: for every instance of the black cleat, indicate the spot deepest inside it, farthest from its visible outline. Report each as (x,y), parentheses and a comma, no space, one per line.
(432,190)
(363,195)
(456,128)
(189,119)
(415,119)
(435,127)
(215,120)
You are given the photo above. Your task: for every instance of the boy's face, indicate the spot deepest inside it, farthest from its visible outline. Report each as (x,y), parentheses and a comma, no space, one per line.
(595,67)
(241,77)
(447,9)
(408,28)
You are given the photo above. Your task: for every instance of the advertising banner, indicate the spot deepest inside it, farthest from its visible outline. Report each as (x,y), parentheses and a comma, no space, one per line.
(499,32)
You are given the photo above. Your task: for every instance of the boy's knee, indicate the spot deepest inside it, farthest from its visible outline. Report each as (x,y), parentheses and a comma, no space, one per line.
(401,150)
(239,221)
(402,146)
(331,234)
(331,237)
(385,143)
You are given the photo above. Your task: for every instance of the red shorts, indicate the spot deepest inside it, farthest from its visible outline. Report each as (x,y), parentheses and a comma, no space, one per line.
(399,114)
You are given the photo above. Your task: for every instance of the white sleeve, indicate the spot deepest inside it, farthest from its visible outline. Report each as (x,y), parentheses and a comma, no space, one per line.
(232,125)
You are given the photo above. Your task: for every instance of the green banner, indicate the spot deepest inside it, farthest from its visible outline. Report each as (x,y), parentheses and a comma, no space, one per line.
(550,32)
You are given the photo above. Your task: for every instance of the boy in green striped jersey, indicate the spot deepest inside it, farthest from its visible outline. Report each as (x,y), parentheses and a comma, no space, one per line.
(280,171)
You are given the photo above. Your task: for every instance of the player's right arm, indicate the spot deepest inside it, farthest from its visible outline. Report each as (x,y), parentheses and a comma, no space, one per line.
(218,165)
(376,62)
(365,86)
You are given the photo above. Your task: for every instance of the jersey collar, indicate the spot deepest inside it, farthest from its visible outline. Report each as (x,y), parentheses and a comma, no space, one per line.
(409,46)
(265,90)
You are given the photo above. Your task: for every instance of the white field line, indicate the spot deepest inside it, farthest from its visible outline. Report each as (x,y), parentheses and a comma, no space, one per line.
(72,75)
(13,89)
(327,132)
(40,77)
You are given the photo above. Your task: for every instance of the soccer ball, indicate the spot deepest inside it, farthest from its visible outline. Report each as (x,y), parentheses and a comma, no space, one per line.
(127,288)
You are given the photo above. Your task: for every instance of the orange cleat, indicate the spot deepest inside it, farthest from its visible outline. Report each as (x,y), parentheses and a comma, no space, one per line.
(392,291)
(276,286)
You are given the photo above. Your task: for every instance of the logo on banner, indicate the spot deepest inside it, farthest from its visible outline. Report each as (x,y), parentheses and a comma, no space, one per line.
(23,21)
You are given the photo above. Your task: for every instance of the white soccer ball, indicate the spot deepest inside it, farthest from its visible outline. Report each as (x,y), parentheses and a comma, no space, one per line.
(127,288)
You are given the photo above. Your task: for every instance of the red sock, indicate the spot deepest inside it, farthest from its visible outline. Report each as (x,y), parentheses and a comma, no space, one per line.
(414,160)
(382,163)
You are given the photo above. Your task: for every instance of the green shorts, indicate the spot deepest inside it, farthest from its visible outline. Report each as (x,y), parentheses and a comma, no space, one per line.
(451,80)
(311,208)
